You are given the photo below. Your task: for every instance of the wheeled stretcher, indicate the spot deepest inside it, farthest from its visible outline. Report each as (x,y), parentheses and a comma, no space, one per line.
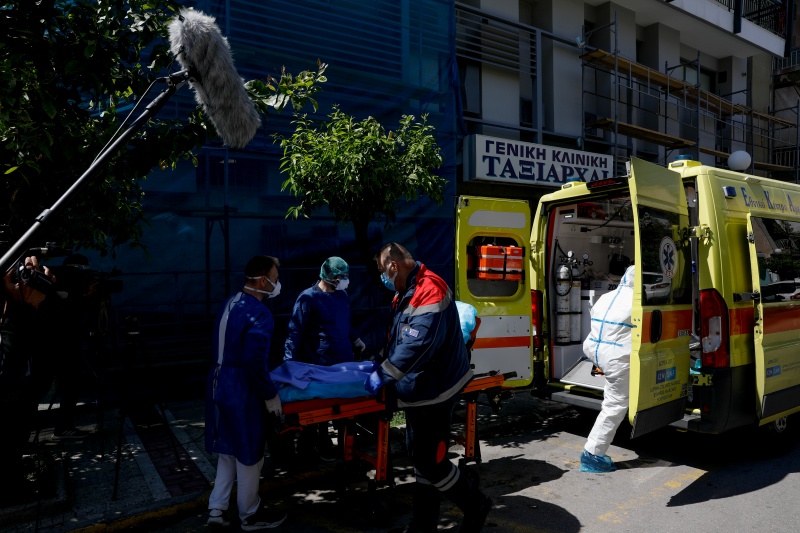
(325,409)
(491,386)
(322,410)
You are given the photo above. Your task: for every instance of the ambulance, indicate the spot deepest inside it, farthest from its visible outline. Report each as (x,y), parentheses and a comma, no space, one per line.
(716,342)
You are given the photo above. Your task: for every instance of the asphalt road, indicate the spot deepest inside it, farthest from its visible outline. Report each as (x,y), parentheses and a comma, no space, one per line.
(668,481)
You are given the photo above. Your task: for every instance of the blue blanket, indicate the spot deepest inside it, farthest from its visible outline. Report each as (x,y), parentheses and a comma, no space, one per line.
(304,381)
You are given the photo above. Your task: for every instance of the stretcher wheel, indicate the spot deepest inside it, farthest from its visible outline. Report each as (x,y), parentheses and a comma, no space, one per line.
(464,462)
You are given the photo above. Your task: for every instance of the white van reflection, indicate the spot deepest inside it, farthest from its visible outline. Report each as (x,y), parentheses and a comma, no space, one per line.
(781,291)
(656,287)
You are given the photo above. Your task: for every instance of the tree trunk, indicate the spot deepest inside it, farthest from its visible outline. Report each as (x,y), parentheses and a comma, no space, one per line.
(365,251)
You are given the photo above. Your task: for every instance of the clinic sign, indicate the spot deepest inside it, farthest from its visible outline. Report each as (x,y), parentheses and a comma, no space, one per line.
(509,161)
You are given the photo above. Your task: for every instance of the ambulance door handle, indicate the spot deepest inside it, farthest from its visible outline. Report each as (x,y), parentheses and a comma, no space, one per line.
(747,296)
(655,326)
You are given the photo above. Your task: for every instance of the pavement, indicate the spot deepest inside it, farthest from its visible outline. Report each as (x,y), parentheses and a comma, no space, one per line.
(147,463)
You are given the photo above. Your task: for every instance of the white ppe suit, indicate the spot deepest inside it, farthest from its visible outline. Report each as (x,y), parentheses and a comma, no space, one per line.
(608,346)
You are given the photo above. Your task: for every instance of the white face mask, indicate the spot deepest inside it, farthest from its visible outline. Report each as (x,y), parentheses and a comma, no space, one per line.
(276,288)
(343,284)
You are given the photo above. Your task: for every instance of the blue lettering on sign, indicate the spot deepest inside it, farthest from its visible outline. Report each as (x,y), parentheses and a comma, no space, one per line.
(666,374)
(773,371)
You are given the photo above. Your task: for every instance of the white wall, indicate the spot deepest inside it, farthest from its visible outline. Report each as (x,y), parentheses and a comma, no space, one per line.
(500,90)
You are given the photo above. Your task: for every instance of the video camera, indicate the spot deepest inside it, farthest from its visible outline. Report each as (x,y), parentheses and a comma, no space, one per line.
(33,278)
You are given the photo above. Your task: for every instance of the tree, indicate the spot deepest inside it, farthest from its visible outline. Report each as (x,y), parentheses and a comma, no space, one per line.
(359,170)
(71,71)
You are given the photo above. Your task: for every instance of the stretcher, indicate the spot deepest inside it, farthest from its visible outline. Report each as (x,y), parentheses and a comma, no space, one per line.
(322,410)
(491,386)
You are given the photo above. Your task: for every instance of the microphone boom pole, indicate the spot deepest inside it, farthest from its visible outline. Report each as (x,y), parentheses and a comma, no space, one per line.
(19,248)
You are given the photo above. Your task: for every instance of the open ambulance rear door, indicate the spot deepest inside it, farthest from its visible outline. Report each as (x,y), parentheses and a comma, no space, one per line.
(492,274)
(775,271)
(663,324)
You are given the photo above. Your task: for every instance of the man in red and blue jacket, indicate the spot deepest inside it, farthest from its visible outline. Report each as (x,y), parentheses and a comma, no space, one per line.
(426,362)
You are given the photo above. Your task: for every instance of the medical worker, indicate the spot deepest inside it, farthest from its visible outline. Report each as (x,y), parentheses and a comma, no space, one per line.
(319,329)
(608,346)
(239,395)
(425,362)
(319,333)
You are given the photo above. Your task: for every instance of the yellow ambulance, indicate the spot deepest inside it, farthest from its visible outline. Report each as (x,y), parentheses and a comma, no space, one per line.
(716,343)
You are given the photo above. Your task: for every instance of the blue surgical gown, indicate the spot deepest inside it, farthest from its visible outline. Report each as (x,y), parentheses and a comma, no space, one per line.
(239,381)
(319,330)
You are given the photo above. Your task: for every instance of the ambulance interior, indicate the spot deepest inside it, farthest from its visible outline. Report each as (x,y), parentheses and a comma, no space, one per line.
(591,245)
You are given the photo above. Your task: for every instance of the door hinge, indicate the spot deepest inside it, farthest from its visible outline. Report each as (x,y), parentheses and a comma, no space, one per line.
(697,232)
(751,238)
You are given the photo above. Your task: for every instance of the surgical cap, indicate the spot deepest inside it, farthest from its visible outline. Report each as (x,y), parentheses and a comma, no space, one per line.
(332,267)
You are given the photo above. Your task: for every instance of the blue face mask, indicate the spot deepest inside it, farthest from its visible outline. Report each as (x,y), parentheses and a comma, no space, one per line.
(387,281)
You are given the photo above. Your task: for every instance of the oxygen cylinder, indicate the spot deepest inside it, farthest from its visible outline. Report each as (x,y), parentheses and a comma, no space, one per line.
(575,307)
(563,281)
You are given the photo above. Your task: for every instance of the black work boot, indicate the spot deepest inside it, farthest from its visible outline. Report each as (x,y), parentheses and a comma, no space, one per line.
(473,503)
(425,514)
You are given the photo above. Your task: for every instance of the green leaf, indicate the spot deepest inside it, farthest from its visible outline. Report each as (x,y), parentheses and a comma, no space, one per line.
(12,169)
(49,108)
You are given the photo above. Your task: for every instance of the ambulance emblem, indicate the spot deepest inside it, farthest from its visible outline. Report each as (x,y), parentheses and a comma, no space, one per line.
(667,255)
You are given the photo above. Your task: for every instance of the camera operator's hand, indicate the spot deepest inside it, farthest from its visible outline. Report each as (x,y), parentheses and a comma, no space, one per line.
(32,263)
(20,291)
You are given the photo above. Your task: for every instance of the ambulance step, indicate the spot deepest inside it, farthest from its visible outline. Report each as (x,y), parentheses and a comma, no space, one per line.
(581,374)
(687,420)
(569,398)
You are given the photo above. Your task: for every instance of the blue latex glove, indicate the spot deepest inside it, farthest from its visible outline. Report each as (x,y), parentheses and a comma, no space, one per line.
(373,383)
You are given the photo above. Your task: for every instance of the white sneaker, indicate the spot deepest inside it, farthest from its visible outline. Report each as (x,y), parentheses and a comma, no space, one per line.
(263,519)
(218,517)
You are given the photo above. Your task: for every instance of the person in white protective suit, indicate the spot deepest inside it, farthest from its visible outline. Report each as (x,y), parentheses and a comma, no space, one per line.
(608,346)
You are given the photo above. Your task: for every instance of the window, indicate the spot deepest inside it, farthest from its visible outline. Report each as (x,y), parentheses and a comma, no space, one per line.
(666,276)
(470,74)
(778,255)
(688,73)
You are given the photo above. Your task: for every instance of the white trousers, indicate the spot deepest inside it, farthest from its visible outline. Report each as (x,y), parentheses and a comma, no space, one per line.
(247,483)
(613,409)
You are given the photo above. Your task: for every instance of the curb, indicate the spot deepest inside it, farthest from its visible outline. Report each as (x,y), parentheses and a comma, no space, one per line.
(138,519)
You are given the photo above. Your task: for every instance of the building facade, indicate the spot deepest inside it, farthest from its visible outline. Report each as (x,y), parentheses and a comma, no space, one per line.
(524,94)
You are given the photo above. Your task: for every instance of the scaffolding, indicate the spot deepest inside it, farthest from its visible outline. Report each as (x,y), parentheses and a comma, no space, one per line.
(625,101)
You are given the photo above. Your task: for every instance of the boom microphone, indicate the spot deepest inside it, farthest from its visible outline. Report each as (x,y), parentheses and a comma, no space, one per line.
(196,41)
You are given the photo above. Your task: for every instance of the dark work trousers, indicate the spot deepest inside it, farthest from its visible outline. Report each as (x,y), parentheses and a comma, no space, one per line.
(428,438)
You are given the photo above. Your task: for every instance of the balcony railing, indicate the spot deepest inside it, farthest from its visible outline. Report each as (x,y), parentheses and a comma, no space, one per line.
(781,63)
(768,14)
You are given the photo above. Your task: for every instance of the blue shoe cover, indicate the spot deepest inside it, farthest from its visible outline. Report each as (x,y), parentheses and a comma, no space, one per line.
(596,463)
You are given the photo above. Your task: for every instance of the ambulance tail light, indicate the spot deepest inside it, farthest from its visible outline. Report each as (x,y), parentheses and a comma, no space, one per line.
(714,338)
(536,319)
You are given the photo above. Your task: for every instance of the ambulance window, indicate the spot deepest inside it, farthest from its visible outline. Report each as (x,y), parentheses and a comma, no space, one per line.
(665,264)
(691,203)
(778,256)
(495,266)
